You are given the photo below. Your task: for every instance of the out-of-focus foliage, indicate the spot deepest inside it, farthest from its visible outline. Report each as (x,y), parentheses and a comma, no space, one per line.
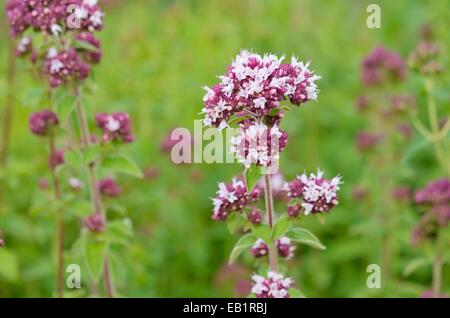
(157,56)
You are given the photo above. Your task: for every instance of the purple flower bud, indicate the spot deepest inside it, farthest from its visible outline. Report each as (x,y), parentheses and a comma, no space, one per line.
(425,58)
(108,187)
(435,193)
(64,66)
(285,247)
(260,249)
(366,141)
(2,243)
(381,66)
(294,210)
(24,47)
(93,55)
(41,123)
(56,158)
(255,216)
(95,223)
(115,127)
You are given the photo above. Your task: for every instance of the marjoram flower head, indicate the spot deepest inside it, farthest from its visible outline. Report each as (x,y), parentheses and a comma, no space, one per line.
(49,16)
(233,197)
(95,223)
(435,193)
(275,285)
(315,194)
(64,66)
(109,187)
(258,84)
(258,144)
(42,123)
(115,127)
(382,65)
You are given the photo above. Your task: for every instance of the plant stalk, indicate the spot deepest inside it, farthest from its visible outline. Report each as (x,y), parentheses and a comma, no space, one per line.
(437,269)
(95,195)
(9,103)
(273,259)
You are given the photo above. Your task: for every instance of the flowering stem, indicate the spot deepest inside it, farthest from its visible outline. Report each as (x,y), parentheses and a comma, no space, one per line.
(59,216)
(434,123)
(95,195)
(437,269)
(273,262)
(9,104)
(59,227)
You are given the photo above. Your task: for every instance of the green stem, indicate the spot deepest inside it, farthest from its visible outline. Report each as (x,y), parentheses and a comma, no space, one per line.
(437,269)
(9,103)
(59,228)
(434,124)
(59,235)
(273,261)
(92,180)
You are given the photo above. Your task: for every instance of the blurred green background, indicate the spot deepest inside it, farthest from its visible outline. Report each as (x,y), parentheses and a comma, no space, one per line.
(157,56)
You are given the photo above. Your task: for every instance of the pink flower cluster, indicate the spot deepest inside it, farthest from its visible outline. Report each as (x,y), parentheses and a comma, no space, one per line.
(425,58)
(95,223)
(56,17)
(115,127)
(63,66)
(92,53)
(382,65)
(42,123)
(312,194)
(275,285)
(258,84)
(87,14)
(258,144)
(109,187)
(436,197)
(285,248)
(233,197)
(366,141)
(50,16)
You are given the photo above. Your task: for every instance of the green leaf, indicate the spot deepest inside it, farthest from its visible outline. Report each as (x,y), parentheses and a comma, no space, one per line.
(242,244)
(81,209)
(295,293)
(304,236)
(65,105)
(95,252)
(280,228)
(82,45)
(263,232)
(119,231)
(236,221)
(73,158)
(92,153)
(275,111)
(122,164)
(414,148)
(252,176)
(414,265)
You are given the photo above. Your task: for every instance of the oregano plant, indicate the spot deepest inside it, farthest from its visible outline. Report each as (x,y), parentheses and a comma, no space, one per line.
(57,40)
(252,97)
